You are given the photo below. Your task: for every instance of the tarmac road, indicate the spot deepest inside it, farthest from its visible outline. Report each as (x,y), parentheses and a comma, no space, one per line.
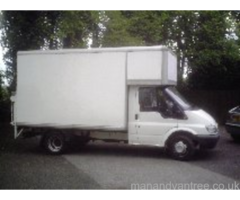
(23,165)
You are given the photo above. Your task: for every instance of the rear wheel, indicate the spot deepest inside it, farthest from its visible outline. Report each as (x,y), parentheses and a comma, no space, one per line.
(181,147)
(54,143)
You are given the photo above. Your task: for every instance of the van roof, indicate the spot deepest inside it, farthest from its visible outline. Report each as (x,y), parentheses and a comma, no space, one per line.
(97,50)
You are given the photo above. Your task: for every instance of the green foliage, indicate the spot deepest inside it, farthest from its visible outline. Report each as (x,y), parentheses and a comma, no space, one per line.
(215,56)
(202,41)
(20,31)
(116,31)
(4,101)
(4,96)
(1,85)
(150,26)
(50,24)
(171,28)
(29,30)
(75,28)
(206,42)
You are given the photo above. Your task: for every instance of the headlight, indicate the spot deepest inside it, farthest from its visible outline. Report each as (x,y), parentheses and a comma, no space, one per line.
(212,128)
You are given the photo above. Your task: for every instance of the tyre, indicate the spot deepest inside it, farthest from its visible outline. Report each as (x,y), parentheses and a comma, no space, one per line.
(54,143)
(181,147)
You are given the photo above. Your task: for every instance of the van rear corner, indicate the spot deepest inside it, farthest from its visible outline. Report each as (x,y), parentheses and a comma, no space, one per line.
(13,117)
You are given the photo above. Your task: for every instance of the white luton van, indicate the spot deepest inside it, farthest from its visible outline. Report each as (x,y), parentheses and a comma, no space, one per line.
(122,94)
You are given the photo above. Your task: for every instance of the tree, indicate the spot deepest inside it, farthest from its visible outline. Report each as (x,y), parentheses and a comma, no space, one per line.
(29,30)
(50,22)
(206,42)
(2,95)
(20,31)
(4,100)
(200,40)
(75,28)
(215,57)
(115,31)
(181,37)
(150,26)
(171,28)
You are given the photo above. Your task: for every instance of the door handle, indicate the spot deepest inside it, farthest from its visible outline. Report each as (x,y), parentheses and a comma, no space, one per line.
(136,116)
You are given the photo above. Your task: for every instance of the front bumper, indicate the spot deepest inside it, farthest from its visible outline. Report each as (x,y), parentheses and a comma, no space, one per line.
(207,142)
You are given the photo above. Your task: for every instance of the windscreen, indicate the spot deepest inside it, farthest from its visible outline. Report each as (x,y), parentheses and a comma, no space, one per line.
(172,91)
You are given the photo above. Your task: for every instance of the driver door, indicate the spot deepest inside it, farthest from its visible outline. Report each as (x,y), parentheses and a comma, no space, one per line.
(150,122)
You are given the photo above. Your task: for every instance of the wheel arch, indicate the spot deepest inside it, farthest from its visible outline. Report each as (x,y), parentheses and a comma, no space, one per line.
(183,131)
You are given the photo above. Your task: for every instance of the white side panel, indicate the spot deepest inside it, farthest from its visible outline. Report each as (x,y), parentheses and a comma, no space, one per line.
(72,90)
(144,66)
(172,67)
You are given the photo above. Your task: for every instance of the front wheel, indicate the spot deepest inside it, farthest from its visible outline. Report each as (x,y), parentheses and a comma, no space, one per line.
(54,143)
(181,147)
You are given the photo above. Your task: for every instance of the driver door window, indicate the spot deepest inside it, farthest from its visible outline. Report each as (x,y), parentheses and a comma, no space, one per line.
(156,100)
(148,99)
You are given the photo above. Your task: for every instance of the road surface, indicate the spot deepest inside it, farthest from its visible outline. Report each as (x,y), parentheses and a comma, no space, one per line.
(23,165)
